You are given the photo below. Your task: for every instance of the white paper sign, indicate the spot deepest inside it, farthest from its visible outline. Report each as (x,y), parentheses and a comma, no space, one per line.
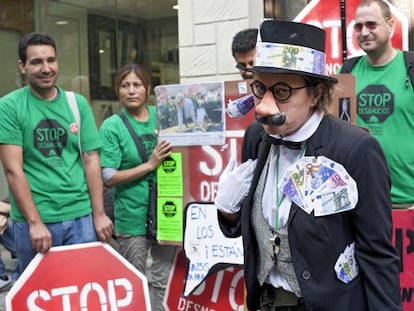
(205,245)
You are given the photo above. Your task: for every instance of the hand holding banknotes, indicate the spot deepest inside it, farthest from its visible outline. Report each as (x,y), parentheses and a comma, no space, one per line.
(233,185)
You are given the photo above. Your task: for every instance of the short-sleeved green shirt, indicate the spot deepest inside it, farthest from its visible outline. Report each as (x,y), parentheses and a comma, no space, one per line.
(51,160)
(385,105)
(120,152)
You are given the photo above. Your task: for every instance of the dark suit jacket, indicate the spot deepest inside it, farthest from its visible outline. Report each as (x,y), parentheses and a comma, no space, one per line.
(317,242)
(251,140)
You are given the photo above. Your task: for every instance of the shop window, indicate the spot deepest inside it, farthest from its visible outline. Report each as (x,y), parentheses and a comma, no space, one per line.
(283,9)
(102,56)
(11,77)
(112,44)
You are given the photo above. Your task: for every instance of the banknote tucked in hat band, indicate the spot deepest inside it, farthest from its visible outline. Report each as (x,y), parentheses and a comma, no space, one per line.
(290,48)
(290,57)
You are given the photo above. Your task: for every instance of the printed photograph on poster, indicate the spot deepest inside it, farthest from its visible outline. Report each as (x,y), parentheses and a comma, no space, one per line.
(191,114)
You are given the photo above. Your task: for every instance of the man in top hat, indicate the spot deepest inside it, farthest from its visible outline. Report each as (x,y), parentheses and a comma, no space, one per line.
(314,209)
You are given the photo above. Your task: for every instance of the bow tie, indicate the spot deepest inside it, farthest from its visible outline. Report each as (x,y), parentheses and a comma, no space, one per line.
(287,143)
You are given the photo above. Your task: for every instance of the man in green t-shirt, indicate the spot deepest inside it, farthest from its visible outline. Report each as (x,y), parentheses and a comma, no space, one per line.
(385,96)
(55,192)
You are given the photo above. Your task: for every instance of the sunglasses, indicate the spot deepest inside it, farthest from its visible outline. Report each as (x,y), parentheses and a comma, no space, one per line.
(368,25)
(241,65)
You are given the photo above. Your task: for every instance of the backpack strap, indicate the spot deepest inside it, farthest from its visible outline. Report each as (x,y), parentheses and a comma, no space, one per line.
(409,64)
(349,64)
(138,143)
(75,110)
(135,137)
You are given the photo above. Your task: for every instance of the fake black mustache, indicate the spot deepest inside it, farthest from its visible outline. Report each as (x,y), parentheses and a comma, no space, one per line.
(276,119)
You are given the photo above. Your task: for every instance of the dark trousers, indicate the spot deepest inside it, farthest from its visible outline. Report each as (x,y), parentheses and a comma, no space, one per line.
(273,299)
(300,307)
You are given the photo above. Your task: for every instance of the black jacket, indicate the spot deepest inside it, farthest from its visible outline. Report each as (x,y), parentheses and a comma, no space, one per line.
(317,242)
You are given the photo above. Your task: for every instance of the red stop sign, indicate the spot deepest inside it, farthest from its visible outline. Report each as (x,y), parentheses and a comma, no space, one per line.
(91,276)
(224,290)
(326,14)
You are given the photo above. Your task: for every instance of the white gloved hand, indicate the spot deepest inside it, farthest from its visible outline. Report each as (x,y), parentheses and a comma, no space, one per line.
(234,185)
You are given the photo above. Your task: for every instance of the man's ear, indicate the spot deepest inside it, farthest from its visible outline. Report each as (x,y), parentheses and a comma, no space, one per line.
(317,93)
(21,66)
(391,21)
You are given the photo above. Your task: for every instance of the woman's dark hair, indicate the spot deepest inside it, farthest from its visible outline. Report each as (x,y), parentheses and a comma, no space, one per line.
(139,70)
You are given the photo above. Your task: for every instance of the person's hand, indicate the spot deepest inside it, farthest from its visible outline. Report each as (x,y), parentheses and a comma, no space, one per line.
(104,227)
(233,186)
(41,237)
(3,223)
(160,153)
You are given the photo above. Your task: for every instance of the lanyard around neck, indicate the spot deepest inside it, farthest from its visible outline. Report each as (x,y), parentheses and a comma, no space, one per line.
(279,200)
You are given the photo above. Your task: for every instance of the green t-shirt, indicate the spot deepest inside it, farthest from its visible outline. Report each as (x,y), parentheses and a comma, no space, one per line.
(120,152)
(51,159)
(385,105)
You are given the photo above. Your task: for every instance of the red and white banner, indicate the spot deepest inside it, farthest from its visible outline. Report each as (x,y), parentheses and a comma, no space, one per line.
(222,291)
(404,242)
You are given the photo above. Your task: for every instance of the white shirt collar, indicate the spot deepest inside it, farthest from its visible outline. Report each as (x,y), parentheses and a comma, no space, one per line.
(307,129)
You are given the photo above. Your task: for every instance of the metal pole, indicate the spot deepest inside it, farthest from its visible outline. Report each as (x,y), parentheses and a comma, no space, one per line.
(343,29)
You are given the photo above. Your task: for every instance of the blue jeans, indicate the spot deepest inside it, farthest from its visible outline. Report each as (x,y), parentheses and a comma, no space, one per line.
(80,230)
(7,240)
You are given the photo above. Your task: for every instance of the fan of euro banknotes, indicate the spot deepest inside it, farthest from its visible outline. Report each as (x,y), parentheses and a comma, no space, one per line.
(320,185)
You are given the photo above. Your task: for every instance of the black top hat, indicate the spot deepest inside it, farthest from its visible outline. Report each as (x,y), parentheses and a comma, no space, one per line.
(290,47)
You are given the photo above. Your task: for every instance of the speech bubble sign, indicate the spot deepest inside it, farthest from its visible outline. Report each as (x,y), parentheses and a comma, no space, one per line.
(205,245)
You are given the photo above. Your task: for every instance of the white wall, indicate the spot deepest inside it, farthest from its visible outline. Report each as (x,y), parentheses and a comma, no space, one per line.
(206,29)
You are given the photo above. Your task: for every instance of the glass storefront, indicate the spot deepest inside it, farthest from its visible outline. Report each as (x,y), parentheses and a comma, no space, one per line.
(94,38)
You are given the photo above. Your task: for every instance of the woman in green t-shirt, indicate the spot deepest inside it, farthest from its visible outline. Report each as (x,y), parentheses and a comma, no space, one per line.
(127,173)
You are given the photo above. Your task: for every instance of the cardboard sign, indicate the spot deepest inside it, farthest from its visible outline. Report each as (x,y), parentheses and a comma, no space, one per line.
(205,245)
(343,103)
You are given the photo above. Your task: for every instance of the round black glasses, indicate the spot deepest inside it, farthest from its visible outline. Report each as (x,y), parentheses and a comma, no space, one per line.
(280,91)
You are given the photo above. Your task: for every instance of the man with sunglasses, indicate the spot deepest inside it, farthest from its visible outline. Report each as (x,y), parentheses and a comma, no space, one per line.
(385,96)
(314,208)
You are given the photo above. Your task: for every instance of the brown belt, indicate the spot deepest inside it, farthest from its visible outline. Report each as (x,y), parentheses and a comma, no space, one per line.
(278,297)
